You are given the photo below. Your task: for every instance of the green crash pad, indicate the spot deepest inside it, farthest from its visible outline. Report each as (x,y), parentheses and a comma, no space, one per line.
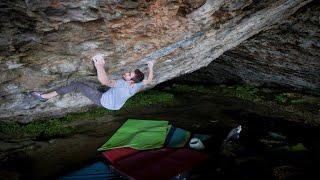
(138,134)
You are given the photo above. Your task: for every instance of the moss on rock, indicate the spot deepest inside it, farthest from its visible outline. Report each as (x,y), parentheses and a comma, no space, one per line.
(246,92)
(304,107)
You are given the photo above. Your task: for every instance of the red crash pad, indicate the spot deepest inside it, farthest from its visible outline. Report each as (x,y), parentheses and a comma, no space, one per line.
(115,155)
(154,164)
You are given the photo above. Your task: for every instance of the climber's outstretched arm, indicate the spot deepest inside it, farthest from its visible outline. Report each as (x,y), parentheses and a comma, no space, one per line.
(102,75)
(150,76)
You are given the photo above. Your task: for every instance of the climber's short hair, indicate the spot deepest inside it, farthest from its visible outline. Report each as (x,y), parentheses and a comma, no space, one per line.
(138,77)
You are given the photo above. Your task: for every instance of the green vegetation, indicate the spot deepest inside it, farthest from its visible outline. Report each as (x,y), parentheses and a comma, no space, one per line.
(60,127)
(183,88)
(296,99)
(293,103)
(38,129)
(281,98)
(297,147)
(291,148)
(250,93)
(149,98)
(246,92)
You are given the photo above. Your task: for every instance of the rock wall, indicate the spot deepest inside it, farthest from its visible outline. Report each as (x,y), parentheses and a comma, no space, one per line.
(287,55)
(47,44)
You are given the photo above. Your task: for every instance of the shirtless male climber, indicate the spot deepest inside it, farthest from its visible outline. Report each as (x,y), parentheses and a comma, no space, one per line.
(120,90)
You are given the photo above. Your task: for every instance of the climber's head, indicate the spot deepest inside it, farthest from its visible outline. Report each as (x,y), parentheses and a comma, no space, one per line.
(134,76)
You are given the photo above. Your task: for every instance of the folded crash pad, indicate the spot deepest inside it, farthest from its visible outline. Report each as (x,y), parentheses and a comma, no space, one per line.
(95,171)
(177,137)
(138,134)
(154,164)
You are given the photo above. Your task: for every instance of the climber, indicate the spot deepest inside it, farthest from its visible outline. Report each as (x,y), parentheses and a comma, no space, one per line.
(114,98)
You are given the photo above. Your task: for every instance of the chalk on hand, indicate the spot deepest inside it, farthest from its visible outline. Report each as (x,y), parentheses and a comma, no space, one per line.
(98,56)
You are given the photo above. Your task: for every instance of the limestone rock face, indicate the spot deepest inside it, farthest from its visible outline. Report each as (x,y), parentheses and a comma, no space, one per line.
(45,44)
(287,55)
